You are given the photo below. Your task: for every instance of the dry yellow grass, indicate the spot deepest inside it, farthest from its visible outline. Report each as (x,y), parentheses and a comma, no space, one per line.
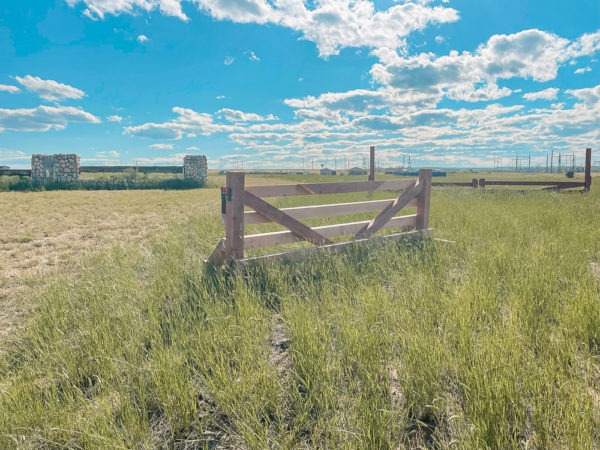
(43,231)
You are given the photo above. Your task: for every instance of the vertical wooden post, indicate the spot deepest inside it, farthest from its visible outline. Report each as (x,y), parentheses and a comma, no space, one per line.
(588,169)
(474,183)
(234,216)
(372,164)
(423,199)
(482,182)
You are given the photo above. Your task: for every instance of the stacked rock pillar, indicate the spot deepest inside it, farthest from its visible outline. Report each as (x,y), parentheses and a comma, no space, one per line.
(60,168)
(195,168)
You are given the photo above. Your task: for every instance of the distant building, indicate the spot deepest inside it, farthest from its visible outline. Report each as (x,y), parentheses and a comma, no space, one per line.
(357,171)
(327,171)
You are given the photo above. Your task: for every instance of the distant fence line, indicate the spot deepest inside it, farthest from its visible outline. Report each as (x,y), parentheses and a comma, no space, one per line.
(66,168)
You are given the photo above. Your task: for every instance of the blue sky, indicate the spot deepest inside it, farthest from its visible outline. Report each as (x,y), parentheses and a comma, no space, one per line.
(287,83)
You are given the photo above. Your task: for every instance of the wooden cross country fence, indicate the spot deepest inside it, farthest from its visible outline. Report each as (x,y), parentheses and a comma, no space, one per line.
(235,196)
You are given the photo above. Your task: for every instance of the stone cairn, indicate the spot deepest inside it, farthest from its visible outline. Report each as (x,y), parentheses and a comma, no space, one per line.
(61,168)
(195,168)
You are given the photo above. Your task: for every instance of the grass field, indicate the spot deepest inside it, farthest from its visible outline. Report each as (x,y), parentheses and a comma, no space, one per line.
(127,341)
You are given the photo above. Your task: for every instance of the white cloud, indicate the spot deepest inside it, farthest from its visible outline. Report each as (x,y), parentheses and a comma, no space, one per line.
(220,97)
(9,89)
(114,118)
(49,89)
(113,154)
(330,24)
(188,123)
(97,9)
(173,159)
(11,154)
(529,54)
(252,57)
(229,60)
(582,70)
(590,96)
(162,146)
(192,148)
(546,94)
(142,38)
(439,39)
(233,115)
(43,118)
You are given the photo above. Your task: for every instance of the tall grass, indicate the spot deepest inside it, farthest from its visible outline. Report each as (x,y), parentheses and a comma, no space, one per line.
(493,341)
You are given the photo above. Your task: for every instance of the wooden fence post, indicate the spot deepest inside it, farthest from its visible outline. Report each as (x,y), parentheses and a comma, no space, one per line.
(474,183)
(372,164)
(234,216)
(588,169)
(482,182)
(423,199)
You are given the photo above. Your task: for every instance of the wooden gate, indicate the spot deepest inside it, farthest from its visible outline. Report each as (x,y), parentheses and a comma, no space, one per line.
(235,196)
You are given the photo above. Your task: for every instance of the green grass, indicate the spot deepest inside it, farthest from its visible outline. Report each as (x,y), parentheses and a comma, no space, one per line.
(491,342)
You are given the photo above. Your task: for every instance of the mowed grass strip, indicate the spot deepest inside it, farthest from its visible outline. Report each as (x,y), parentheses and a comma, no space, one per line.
(489,342)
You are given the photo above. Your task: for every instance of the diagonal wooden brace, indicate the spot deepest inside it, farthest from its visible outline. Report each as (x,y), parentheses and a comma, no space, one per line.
(270,212)
(390,211)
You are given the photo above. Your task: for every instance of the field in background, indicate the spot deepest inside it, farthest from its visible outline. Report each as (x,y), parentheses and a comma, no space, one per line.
(129,342)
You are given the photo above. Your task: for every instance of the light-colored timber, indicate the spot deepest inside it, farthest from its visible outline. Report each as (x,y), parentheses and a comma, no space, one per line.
(330,210)
(389,212)
(235,196)
(298,228)
(287,190)
(302,253)
(328,231)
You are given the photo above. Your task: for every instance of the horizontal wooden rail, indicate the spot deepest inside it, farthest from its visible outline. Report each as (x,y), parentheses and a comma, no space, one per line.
(330,210)
(287,237)
(301,253)
(561,184)
(444,184)
(235,196)
(287,190)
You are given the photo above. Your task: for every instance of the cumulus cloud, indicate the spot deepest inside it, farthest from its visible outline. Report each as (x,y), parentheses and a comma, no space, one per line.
(9,89)
(233,115)
(49,89)
(589,96)
(252,57)
(97,9)
(114,118)
(229,60)
(330,24)
(162,146)
(546,94)
(473,76)
(142,38)
(582,70)
(188,123)
(43,118)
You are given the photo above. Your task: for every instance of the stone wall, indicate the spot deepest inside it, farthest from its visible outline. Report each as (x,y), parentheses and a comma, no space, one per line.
(195,168)
(61,168)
